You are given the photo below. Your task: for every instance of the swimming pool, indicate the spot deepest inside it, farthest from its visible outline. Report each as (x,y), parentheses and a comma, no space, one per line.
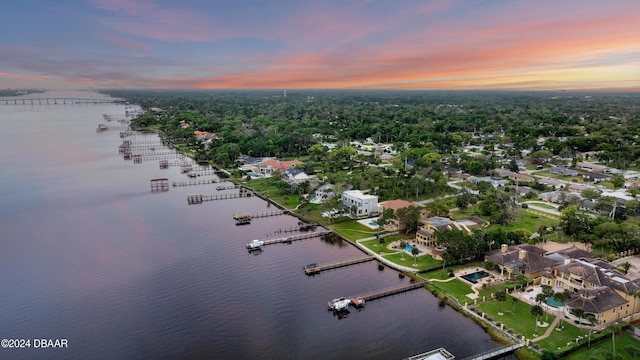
(373,223)
(554,303)
(409,249)
(474,277)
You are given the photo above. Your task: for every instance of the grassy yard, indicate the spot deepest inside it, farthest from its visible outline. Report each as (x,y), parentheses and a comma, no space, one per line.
(623,340)
(529,222)
(352,230)
(562,340)
(456,288)
(521,321)
(425,262)
(498,287)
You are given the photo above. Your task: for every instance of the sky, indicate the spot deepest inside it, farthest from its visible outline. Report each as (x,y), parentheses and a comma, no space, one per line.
(324,44)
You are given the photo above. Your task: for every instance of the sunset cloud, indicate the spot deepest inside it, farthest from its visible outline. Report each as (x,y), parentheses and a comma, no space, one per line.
(330,44)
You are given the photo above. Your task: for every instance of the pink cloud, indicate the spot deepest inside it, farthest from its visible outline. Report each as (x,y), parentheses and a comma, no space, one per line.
(129,45)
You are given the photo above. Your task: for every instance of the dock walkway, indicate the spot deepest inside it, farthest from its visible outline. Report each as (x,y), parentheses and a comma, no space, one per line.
(360,300)
(315,269)
(289,239)
(491,354)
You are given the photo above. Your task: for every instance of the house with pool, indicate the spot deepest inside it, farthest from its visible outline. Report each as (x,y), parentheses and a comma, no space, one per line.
(428,228)
(596,285)
(522,259)
(398,204)
(598,288)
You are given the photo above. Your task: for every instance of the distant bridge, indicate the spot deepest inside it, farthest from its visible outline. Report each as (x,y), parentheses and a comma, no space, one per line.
(58,101)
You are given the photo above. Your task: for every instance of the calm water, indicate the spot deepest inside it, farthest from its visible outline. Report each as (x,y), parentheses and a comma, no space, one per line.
(89,254)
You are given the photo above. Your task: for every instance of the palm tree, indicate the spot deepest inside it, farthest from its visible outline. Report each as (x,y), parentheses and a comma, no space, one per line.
(501,296)
(579,312)
(514,302)
(593,321)
(558,297)
(536,312)
(636,294)
(414,252)
(542,298)
(614,328)
(548,292)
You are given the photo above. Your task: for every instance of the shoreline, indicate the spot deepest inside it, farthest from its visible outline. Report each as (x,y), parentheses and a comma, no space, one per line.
(495,334)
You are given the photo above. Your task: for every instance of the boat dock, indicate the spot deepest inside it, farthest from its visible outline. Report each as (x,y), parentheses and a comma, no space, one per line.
(289,239)
(312,269)
(195,182)
(360,300)
(242,218)
(199,198)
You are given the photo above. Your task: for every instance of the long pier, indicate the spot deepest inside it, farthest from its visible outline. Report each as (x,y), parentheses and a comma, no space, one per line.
(58,101)
(491,354)
(290,239)
(195,182)
(312,269)
(360,300)
(269,213)
(199,198)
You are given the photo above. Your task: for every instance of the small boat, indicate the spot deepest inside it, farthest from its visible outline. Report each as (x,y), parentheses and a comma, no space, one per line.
(339,304)
(255,244)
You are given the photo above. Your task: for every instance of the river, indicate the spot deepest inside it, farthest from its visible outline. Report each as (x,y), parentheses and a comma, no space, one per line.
(90,255)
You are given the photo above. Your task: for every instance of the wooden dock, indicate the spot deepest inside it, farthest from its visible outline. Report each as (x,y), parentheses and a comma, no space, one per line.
(360,300)
(195,182)
(292,238)
(312,269)
(269,213)
(199,198)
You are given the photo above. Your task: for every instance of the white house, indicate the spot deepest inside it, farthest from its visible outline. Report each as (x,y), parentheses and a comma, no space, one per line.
(365,205)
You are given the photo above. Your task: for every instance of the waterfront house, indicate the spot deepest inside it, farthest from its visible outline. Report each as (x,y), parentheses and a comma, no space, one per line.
(522,259)
(398,204)
(599,288)
(323,193)
(360,204)
(293,175)
(428,228)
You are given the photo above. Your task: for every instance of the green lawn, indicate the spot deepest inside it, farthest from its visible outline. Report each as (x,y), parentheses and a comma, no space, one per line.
(530,222)
(425,262)
(559,340)
(501,286)
(521,321)
(456,288)
(623,340)
(352,230)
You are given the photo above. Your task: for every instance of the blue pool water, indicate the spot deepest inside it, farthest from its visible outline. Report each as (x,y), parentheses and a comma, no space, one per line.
(474,277)
(373,223)
(554,303)
(409,248)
